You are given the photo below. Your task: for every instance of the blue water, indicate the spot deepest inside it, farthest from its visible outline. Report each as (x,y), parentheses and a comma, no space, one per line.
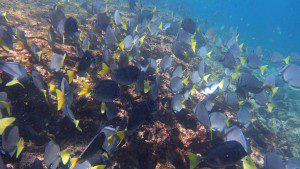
(272,24)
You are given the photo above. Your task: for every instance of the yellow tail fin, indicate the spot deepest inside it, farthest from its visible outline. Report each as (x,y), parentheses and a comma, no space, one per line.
(60,99)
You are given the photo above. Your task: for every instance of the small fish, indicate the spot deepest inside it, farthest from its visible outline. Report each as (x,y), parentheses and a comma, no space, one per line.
(110,38)
(291,75)
(10,139)
(226,154)
(250,83)
(261,98)
(14,69)
(51,155)
(228,60)
(176,102)
(202,114)
(166,62)
(57,62)
(202,69)
(211,88)
(231,99)
(177,72)
(234,133)
(128,43)
(111,110)
(231,42)
(276,57)
(38,81)
(195,78)
(253,61)
(218,121)
(176,85)
(65,155)
(117,18)
(243,114)
(270,80)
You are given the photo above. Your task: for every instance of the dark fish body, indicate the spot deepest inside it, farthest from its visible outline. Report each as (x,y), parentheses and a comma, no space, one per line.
(93,147)
(261,98)
(106,90)
(126,75)
(231,99)
(102,21)
(85,62)
(189,25)
(111,110)
(253,61)
(250,83)
(181,50)
(227,154)
(71,26)
(6,38)
(138,116)
(38,80)
(66,89)
(56,15)
(228,60)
